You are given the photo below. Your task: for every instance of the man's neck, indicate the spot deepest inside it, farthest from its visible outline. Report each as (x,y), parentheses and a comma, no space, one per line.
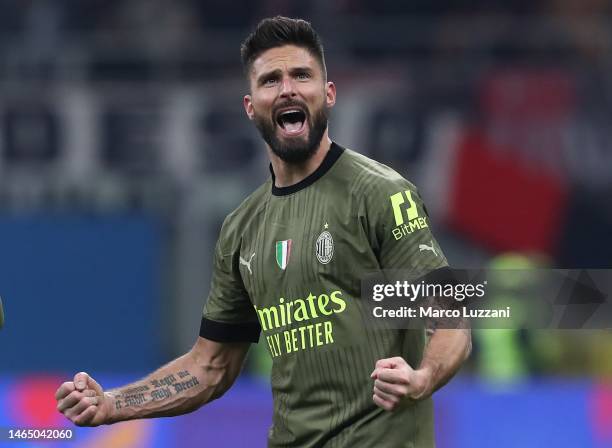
(287,174)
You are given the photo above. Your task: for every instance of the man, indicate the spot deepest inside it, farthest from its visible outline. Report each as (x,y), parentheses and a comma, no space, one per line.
(287,263)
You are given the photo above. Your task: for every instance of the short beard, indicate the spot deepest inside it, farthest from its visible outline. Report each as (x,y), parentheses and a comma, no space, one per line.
(294,151)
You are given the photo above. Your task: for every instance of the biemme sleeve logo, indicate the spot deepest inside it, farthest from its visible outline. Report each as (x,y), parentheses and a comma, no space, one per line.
(398,212)
(406,214)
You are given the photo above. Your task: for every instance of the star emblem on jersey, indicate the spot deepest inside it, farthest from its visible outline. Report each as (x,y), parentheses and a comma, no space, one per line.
(247,263)
(283,252)
(324,247)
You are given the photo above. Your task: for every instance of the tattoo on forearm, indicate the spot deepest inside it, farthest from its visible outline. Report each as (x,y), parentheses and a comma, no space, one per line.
(161,394)
(135,390)
(134,400)
(165,381)
(180,387)
(162,389)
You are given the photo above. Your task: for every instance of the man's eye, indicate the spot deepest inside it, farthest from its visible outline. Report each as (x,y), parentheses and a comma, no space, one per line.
(269,81)
(303,75)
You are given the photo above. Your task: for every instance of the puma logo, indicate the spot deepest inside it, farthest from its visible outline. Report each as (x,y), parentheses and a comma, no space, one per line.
(247,263)
(423,247)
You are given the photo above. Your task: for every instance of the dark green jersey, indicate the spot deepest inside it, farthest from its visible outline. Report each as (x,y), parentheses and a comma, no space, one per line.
(289,262)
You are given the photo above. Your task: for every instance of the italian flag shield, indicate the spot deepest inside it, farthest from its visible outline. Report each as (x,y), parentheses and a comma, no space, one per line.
(283,251)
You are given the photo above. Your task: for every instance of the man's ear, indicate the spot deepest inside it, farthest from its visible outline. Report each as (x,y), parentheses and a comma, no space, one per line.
(248,106)
(330,94)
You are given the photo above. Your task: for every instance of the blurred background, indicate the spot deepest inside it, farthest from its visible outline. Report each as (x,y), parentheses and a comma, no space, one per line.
(123,145)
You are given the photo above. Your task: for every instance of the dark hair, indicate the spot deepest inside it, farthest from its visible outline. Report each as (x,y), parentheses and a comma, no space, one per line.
(278,31)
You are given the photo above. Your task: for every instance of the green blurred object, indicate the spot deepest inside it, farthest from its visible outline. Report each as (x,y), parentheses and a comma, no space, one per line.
(1,314)
(502,357)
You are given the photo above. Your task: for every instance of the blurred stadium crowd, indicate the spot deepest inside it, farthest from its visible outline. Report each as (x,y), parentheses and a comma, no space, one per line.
(499,111)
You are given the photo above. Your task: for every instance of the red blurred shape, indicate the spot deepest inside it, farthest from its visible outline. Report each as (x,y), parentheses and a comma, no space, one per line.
(601,411)
(32,402)
(519,94)
(504,202)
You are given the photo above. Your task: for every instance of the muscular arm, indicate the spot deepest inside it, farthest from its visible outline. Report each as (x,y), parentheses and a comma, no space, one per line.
(181,386)
(444,354)
(205,373)
(449,345)
(395,380)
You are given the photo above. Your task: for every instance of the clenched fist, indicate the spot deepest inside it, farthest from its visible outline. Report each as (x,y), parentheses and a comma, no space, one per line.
(395,381)
(83,401)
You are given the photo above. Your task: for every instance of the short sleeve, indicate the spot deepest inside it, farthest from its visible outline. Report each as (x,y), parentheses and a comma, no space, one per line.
(399,228)
(228,314)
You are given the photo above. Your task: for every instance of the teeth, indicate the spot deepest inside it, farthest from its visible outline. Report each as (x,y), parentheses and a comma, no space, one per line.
(290,111)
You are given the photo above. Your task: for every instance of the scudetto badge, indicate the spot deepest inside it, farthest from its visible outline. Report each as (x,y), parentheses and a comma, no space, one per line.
(324,247)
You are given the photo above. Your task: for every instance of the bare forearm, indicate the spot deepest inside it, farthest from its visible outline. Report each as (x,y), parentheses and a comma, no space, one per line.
(174,389)
(179,387)
(444,354)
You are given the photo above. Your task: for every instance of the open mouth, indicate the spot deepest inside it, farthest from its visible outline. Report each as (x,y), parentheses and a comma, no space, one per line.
(291,121)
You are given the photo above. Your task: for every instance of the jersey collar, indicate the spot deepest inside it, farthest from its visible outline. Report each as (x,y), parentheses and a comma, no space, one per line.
(334,153)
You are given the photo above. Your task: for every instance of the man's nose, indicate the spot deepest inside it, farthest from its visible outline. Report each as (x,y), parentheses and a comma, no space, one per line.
(287,87)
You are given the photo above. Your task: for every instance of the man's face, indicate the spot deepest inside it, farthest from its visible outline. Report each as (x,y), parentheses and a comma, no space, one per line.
(289,101)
